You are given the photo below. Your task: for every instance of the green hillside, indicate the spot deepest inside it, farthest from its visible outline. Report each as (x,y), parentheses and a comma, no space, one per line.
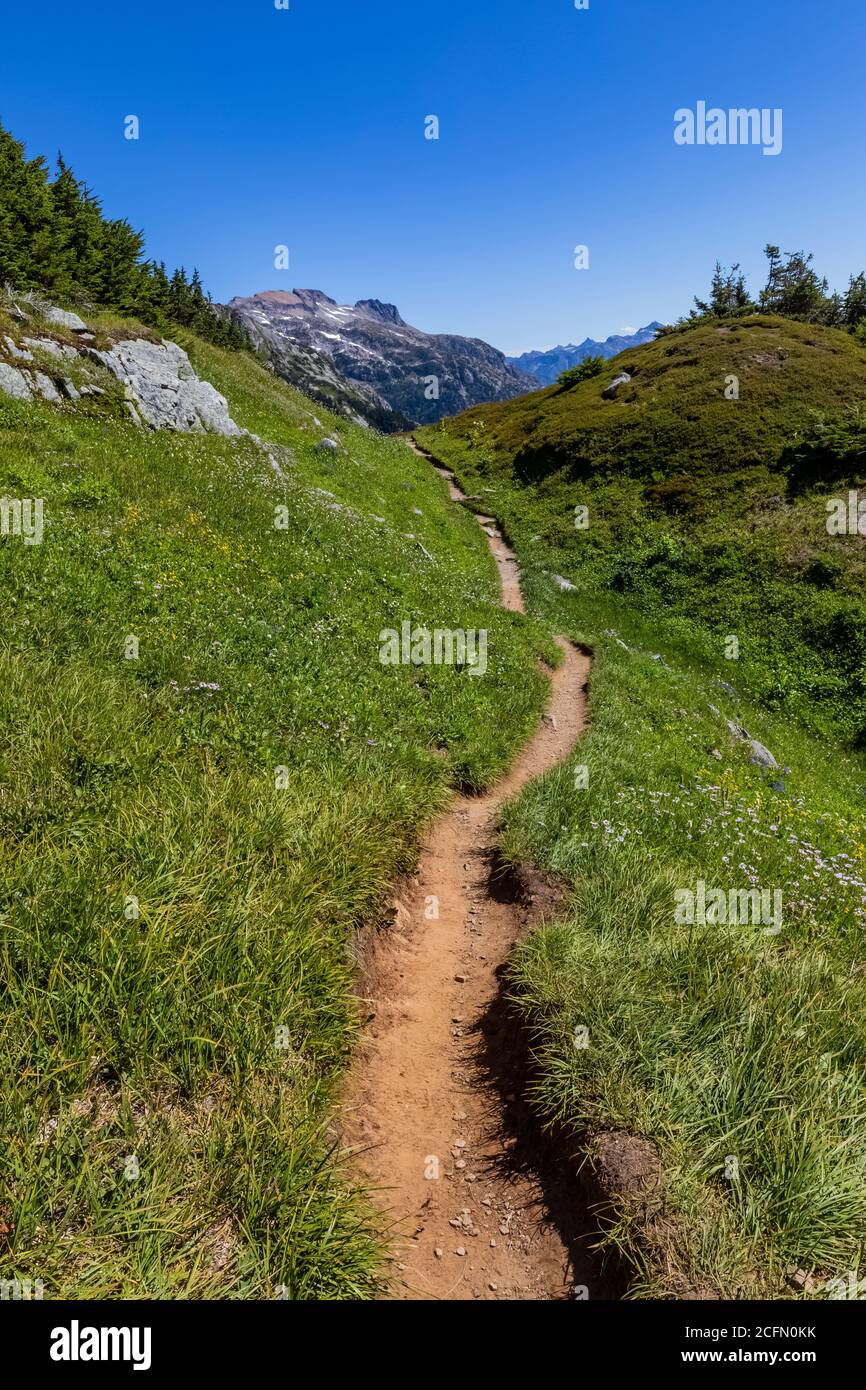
(703,509)
(736,1049)
(675,409)
(192,836)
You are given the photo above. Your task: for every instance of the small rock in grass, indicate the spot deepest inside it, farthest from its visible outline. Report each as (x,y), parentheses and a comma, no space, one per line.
(610,391)
(48,345)
(15,351)
(64,319)
(727,688)
(46,388)
(761,755)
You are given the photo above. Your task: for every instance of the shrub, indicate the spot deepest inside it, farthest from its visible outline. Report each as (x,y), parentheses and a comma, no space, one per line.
(589,367)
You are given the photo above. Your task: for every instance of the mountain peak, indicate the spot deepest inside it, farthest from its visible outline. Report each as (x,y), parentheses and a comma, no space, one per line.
(387,313)
(286,299)
(367,349)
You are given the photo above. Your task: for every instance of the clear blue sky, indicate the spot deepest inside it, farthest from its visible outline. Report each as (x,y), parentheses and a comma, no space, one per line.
(305,127)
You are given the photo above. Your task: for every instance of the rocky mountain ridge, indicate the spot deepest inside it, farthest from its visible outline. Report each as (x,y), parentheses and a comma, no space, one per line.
(153,381)
(387,371)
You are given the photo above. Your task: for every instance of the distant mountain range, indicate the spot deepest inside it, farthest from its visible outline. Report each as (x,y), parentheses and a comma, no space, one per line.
(547,366)
(365,361)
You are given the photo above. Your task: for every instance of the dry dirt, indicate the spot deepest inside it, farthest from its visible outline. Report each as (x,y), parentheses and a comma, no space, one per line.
(433,1113)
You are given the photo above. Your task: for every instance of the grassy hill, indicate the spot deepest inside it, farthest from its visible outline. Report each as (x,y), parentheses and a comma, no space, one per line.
(698,508)
(735,1049)
(178,917)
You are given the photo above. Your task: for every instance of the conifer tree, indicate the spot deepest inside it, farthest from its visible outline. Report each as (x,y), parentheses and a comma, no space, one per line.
(26,239)
(854,302)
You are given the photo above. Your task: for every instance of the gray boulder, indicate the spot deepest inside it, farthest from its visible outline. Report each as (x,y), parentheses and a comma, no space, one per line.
(64,319)
(46,388)
(328,445)
(164,388)
(760,755)
(53,349)
(21,354)
(610,391)
(14,383)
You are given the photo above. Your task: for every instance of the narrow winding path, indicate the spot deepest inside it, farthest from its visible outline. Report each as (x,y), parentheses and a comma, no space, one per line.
(429,1114)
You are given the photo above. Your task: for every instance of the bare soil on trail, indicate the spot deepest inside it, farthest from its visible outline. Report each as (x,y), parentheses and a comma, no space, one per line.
(434,1113)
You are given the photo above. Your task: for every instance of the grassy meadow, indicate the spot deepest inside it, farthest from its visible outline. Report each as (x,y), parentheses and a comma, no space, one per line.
(208,783)
(738,1050)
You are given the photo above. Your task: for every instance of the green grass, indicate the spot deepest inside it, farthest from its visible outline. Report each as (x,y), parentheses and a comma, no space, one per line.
(170,1067)
(714,1041)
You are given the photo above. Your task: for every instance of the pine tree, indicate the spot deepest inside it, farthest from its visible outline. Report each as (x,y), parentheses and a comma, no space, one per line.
(77,235)
(200,310)
(180,302)
(794,290)
(728,294)
(25,217)
(121,280)
(854,302)
(155,294)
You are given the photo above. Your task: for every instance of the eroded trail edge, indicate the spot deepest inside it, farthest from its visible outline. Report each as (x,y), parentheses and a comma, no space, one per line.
(428,1114)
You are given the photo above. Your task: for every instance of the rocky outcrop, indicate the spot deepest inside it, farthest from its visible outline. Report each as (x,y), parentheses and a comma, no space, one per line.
(395,374)
(160,386)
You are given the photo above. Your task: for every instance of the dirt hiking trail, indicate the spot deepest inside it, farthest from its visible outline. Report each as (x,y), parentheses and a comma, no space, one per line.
(433,1111)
